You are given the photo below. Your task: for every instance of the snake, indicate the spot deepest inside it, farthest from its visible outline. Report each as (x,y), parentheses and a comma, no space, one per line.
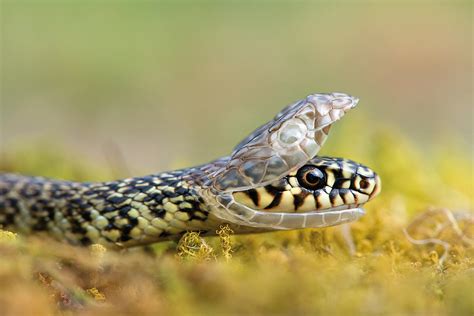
(272,180)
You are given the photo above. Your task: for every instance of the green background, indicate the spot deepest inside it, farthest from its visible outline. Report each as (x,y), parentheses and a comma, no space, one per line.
(94,90)
(174,83)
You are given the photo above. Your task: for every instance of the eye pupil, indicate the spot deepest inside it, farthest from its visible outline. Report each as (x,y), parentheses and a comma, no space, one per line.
(314,176)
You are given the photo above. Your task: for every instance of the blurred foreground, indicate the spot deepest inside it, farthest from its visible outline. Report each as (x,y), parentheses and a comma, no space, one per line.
(383,265)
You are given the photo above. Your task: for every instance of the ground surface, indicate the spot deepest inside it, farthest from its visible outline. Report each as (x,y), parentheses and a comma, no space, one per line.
(380,271)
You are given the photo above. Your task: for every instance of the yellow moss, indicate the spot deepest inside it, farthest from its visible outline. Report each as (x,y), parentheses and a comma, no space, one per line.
(192,246)
(224,232)
(6,236)
(97,250)
(96,294)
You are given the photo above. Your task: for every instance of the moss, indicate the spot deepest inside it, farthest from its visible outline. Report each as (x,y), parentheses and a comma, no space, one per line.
(96,294)
(192,246)
(411,254)
(224,232)
(6,236)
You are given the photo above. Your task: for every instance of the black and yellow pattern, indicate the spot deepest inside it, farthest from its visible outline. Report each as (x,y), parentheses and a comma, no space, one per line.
(345,183)
(127,212)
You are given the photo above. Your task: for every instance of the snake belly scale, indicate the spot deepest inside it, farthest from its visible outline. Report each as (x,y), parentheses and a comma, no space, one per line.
(273,180)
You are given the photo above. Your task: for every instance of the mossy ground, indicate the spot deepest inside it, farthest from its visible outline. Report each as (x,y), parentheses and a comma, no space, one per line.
(370,269)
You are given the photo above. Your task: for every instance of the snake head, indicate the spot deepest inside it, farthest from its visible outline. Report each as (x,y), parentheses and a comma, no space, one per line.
(324,192)
(269,160)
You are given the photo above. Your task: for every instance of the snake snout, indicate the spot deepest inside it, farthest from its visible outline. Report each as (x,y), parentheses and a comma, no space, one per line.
(377,187)
(368,186)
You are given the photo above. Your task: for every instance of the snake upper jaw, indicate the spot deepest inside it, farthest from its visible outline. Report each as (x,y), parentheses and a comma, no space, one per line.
(283,144)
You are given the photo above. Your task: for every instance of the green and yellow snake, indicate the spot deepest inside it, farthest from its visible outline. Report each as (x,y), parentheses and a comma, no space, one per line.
(273,180)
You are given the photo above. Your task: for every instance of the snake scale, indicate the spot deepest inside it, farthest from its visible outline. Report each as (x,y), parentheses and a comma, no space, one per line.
(273,180)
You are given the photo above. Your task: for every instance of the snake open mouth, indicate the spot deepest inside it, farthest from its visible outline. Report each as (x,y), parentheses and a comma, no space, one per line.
(274,178)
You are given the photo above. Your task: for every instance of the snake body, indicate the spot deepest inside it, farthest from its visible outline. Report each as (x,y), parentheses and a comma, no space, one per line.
(272,180)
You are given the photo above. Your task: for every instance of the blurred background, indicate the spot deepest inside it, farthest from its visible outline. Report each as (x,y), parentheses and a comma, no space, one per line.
(96,90)
(159,85)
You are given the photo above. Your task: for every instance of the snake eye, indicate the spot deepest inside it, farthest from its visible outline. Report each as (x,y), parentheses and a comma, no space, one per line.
(311,178)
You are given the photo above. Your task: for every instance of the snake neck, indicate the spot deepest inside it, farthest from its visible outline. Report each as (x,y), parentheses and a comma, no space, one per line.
(124,213)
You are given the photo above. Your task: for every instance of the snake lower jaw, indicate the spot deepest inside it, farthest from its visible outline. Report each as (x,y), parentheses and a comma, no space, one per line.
(244,216)
(317,219)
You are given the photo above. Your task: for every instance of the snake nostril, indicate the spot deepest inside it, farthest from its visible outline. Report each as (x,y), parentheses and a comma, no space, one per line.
(364,184)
